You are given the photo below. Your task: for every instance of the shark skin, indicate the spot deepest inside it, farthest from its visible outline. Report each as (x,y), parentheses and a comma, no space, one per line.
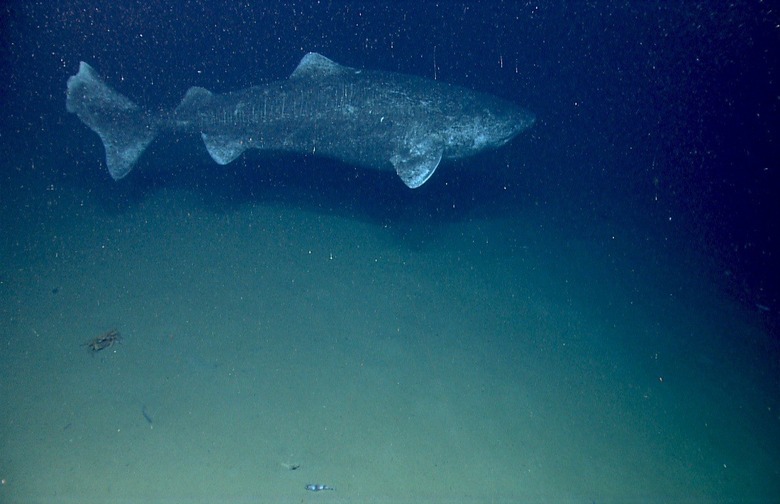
(373,119)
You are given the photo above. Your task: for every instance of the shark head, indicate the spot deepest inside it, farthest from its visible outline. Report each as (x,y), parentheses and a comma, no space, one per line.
(489,124)
(510,122)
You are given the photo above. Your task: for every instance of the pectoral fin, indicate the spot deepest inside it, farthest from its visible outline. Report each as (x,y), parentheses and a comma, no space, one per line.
(417,166)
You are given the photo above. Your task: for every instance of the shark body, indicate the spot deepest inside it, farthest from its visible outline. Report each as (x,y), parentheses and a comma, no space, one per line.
(373,119)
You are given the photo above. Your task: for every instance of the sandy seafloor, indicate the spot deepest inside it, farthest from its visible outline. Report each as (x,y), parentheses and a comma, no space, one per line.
(491,359)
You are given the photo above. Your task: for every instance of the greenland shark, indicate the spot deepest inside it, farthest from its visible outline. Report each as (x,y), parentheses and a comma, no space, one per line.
(373,119)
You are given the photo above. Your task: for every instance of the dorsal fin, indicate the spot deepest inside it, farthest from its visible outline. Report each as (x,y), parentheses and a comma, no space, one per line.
(317,65)
(195,98)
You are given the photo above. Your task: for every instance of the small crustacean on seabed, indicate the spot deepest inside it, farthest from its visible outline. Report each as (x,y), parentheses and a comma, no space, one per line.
(105,340)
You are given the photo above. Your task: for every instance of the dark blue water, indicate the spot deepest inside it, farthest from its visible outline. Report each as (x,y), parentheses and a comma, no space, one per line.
(648,111)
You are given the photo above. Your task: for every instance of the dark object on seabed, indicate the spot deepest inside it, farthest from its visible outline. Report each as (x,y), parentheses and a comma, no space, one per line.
(146,415)
(316,487)
(106,340)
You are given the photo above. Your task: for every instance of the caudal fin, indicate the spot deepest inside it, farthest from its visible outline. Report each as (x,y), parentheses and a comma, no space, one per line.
(125,128)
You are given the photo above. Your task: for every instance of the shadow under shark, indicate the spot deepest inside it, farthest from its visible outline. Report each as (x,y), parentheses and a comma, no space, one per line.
(374,119)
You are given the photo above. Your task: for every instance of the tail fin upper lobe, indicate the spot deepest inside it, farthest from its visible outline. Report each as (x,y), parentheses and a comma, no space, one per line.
(126,129)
